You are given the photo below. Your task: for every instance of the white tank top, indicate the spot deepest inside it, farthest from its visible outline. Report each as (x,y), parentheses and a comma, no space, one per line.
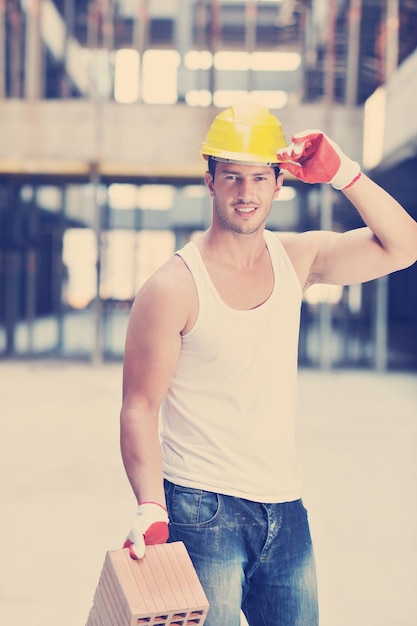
(228,418)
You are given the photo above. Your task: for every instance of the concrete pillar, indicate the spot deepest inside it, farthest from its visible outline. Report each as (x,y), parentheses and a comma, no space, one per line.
(354,27)
(250,35)
(15,41)
(215,40)
(107,9)
(329,66)
(12,264)
(2,49)
(200,27)
(31,270)
(33,58)
(183,36)
(392,43)
(325,310)
(60,275)
(69,32)
(97,356)
(381,324)
(13,267)
(182,237)
(140,38)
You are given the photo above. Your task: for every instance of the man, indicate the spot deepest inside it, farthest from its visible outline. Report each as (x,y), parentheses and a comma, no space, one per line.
(212,347)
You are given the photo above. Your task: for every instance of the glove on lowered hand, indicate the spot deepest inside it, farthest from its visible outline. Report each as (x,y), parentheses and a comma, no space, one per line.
(314,158)
(150,527)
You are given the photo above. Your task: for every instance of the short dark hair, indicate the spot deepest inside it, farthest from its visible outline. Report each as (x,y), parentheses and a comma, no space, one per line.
(212,168)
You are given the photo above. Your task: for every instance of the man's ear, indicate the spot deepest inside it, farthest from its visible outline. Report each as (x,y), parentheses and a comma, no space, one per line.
(280,182)
(209,182)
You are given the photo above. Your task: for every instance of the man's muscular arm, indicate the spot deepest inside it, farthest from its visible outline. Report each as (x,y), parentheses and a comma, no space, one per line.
(389,241)
(153,343)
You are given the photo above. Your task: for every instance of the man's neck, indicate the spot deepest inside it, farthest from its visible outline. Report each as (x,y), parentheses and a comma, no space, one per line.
(232,249)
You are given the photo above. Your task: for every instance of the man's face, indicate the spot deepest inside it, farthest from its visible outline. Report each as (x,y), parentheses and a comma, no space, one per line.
(242,195)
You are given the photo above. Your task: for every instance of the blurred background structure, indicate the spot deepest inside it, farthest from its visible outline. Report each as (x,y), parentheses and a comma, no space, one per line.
(103,107)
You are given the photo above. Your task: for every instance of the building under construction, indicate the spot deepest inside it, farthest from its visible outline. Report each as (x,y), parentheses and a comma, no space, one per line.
(103,107)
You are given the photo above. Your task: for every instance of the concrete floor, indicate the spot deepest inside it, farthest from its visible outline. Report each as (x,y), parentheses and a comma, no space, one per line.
(65,500)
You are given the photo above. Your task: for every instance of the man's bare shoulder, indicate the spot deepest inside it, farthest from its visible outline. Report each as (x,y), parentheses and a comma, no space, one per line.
(302,250)
(298,238)
(306,242)
(299,243)
(172,276)
(169,293)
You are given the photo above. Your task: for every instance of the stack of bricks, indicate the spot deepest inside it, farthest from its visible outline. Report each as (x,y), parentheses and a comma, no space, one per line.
(162,589)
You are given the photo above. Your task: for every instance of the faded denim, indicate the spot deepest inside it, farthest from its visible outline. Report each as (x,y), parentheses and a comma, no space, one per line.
(249,556)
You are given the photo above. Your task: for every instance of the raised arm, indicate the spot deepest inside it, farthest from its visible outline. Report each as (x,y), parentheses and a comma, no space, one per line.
(158,316)
(387,244)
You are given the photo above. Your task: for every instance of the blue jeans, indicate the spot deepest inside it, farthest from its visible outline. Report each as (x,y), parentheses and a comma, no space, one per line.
(248,555)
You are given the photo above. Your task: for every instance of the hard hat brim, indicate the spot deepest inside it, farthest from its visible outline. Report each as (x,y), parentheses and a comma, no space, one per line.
(240,161)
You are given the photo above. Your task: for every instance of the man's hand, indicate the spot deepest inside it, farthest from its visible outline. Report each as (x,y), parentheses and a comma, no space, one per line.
(314,158)
(150,527)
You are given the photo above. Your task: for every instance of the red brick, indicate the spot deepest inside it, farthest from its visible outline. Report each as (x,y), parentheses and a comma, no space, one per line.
(162,589)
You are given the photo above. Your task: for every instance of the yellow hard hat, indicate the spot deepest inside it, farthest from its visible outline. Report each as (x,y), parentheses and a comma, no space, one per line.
(244,133)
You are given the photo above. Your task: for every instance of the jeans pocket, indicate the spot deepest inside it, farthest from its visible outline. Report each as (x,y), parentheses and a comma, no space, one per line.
(191,507)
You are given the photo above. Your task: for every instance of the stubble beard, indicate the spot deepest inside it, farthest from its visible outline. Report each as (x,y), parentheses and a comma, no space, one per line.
(245,229)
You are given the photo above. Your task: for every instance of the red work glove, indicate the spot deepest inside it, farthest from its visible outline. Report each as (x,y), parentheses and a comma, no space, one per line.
(150,527)
(314,158)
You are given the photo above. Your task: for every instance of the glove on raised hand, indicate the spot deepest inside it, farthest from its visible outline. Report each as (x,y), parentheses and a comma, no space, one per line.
(150,527)
(314,158)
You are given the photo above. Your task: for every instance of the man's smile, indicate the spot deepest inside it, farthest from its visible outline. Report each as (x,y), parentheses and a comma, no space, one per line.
(245,209)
